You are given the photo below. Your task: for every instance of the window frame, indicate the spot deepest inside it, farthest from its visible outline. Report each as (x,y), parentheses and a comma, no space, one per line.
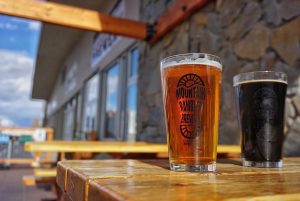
(84,100)
(119,135)
(130,81)
(124,62)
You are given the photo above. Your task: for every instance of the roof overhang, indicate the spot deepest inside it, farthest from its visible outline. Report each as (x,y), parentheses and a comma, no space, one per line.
(56,42)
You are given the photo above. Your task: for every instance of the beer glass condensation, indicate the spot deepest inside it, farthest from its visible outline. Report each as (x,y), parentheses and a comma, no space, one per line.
(260,100)
(191,85)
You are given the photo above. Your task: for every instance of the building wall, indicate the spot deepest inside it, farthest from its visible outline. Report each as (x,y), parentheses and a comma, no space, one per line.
(79,62)
(78,68)
(248,36)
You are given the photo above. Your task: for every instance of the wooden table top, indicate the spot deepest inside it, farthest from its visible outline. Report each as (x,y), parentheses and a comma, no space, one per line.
(18,132)
(110,147)
(152,180)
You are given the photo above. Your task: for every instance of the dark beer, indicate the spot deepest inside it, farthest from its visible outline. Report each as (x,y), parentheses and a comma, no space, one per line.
(191,101)
(260,106)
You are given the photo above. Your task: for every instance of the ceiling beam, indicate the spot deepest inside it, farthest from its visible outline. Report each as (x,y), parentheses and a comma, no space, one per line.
(60,14)
(174,15)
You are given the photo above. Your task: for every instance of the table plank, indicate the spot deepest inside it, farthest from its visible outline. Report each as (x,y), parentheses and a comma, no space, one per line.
(151,179)
(79,173)
(197,187)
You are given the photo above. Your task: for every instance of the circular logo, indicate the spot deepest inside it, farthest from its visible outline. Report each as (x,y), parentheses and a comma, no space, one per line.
(190,131)
(190,94)
(265,103)
(265,110)
(190,80)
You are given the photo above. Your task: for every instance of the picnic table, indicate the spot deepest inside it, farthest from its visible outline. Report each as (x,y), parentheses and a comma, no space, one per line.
(14,134)
(114,147)
(96,146)
(152,180)
(136,150)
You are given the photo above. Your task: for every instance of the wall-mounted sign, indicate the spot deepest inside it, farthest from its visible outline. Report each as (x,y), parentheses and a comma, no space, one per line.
(70,83)
(103,43)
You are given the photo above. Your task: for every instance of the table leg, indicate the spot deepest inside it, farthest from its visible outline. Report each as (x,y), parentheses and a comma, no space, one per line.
(36,162)
(62,156)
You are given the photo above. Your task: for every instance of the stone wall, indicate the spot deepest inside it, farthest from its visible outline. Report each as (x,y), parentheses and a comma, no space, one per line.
(248,35)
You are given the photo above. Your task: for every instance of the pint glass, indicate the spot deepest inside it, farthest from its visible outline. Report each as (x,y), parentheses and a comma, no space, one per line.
(191,86)
(260,99)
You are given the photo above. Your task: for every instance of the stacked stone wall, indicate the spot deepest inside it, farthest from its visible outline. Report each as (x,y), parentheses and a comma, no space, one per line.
(248,35)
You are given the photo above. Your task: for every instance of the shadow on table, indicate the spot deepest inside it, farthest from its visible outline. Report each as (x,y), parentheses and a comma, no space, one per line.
(163,163)
(230,161)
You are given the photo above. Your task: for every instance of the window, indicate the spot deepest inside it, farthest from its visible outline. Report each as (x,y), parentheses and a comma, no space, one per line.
(112,102)
(63,75)
(69,120)
(119,98)
(90,105)
(131,107)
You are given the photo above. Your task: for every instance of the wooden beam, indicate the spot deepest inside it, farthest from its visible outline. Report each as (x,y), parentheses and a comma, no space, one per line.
(74,17)
(16,161)
(179,11)
(31,180)
(44,172)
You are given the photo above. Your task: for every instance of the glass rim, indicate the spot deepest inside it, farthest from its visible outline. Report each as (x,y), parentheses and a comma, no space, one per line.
(210,60)
(254,76)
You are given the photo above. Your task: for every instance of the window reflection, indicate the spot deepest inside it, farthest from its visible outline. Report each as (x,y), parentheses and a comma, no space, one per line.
(90,105)
(134,62)
(69,120)
(132,95)
(112,91)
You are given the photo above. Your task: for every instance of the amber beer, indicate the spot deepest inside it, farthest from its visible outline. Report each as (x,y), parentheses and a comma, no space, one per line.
(191,91)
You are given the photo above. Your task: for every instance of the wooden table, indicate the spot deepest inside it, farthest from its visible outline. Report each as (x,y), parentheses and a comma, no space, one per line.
(152,180)
(14,134)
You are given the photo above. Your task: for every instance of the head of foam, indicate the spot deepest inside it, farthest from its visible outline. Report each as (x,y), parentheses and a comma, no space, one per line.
(259,76)
(191,58)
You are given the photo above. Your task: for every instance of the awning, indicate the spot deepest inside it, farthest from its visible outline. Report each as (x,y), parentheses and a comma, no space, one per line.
(56,42)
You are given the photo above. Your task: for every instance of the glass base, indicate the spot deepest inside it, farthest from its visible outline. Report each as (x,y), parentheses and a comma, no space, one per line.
(194,168)
(266,164)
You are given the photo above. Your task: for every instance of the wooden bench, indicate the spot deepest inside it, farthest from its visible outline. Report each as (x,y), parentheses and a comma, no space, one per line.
(44,172)
(31,180)
(40,177)
(16,161)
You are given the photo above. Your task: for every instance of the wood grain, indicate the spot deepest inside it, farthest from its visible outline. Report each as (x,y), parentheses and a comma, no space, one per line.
(197,187)
(74,17)
(152,180)
(61,176)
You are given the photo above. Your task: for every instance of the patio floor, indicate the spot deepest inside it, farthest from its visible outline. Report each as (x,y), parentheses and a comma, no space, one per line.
(11,188)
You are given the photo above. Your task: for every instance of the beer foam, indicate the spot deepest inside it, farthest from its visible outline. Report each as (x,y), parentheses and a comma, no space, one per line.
(259,80)
(201,61)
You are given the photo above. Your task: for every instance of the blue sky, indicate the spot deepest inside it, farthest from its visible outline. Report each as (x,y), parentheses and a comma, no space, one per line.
(19,40)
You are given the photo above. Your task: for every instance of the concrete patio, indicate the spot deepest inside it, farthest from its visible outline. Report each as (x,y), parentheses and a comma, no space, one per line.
(11,188)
